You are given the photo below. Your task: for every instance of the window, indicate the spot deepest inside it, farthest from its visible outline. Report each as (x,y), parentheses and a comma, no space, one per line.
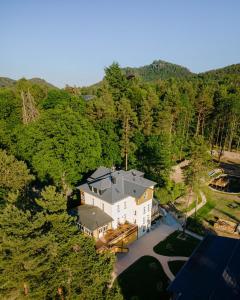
(135,221)
(143,220)
(118,220)
(95,190)
(125,217)
(125,205)
(144,209)
(118,208)
(92,201)
(148,220)
(103,206)
(148,207)
(135,213)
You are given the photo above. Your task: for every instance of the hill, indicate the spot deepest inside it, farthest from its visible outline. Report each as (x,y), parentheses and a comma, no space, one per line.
(42,82)
(158,69)
(228,70)
(4,81)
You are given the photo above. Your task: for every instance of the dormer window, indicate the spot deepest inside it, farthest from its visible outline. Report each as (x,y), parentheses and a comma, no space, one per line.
(95,190)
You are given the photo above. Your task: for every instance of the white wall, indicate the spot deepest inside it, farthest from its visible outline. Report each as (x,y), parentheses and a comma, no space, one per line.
(144,217)
(125,210)
(94,200)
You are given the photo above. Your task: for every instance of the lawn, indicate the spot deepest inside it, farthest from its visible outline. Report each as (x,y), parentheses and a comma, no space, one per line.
(218,203)
(174,246)
(145,279)
(217,206)
(175,266)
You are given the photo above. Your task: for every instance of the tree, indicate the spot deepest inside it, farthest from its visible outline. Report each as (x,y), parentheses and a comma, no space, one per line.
(157,158)
(44,255)
(199,162)
(111,153)
(61,146)
(14,174)
(116,80)
(128,120)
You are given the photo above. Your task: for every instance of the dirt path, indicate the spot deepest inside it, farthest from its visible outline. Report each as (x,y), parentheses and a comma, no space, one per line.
(177,172)
(200,205)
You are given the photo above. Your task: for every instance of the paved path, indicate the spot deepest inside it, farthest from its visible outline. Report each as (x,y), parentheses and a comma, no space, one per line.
(144,246)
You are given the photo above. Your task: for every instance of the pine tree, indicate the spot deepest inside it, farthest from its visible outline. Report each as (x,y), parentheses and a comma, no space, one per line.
(44,256)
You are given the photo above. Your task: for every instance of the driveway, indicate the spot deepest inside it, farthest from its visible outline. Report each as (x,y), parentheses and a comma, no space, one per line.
(144,246)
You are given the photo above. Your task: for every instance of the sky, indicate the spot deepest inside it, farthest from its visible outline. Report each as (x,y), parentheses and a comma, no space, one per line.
(72,41)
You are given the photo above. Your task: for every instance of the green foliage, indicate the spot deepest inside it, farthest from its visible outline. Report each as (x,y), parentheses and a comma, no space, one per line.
(14,174)
(130,122)
(55,98)
(62,144)
(200,161)
(158,157)
(10,108)
(159,69)
(170,192)
(111,153)
(116,81)
(44,256)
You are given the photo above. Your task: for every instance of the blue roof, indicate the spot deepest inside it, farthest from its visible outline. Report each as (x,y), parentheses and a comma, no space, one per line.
(212,272)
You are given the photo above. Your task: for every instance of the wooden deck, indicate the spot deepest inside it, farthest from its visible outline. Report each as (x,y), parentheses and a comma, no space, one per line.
(122,236)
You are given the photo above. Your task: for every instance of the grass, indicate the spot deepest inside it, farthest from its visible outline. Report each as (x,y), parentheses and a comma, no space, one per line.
(216,206)
(173,246)
(175,266)
(145,279)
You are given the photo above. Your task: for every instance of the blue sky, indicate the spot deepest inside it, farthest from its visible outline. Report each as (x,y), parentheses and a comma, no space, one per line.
(71,41)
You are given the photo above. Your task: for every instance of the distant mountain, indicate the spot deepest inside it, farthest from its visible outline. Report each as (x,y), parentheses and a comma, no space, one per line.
(5,82)
(42,82)
(158,69)
(228,70)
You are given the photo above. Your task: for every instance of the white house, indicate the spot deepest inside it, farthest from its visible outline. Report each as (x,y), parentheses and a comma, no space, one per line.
(122,196)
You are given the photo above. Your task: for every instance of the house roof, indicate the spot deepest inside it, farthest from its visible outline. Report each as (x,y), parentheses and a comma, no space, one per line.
(88,97)
(212,272)
(116,185)
(92,217)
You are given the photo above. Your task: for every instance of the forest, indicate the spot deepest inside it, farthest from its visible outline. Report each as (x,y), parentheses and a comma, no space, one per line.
(51,139)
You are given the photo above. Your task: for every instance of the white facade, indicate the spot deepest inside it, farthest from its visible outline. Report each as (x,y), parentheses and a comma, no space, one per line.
(124,210)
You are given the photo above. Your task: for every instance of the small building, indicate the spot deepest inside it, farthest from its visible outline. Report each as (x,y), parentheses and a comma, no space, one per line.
(212,272)
(93,221)
(126,197)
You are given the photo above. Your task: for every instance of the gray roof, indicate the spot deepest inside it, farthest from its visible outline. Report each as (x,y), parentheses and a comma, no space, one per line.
(116,185)
(88,97)
(92,217)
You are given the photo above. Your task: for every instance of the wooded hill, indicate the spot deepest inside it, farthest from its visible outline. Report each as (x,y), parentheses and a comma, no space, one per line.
(6,82)
(158,69)
(161,70)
